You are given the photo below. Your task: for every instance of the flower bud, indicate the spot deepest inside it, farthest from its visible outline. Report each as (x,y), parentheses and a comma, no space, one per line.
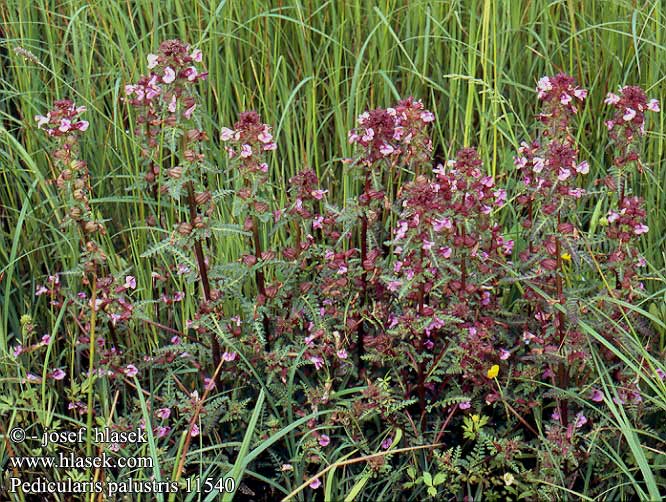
(79,195)
(175,172)
(184,228)
(75,213)
(202,197)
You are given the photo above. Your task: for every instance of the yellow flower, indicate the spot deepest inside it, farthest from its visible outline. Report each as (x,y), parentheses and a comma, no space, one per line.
(493,371)
(566,256)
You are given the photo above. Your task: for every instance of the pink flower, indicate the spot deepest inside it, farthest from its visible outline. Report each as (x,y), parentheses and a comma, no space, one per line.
(169,75)
(581,94)
(583,167)
(42,120)
(653,105)
(194,430)
(175,340)
(629,114)
(162,431)
(581,420)
(246,151)
(315,484)
(612,99)
(445,252)
(427,117)
(386,149)
(565,99)
(163,413)
(172,104)
(226,134)
(153,59)
(270,146)
(57,374)
(342,354)
(196,56)
(660,373)
(538,164)
(189,111)
(82,125)
(130,282)
(465,405)
(641,229)
(386,444)
(393,285)
(543,86)
(190,73)
(318,194)
(427,245)
(504,354)
(318,362)
(131,370)
(443,224)
(17,350)
(597,396)
(324,440)
(65,125)
(264,136)
(229,356)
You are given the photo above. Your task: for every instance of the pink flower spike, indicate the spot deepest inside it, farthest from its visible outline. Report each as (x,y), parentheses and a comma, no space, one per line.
(653,105)
(169,75)
(152,61)
(629,114)
(324,440)
(57,374)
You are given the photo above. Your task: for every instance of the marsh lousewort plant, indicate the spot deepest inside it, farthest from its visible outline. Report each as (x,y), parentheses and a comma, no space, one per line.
(411,317)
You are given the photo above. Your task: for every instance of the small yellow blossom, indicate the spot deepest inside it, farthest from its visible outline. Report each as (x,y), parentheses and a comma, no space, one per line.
(566,256)
(493,371)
